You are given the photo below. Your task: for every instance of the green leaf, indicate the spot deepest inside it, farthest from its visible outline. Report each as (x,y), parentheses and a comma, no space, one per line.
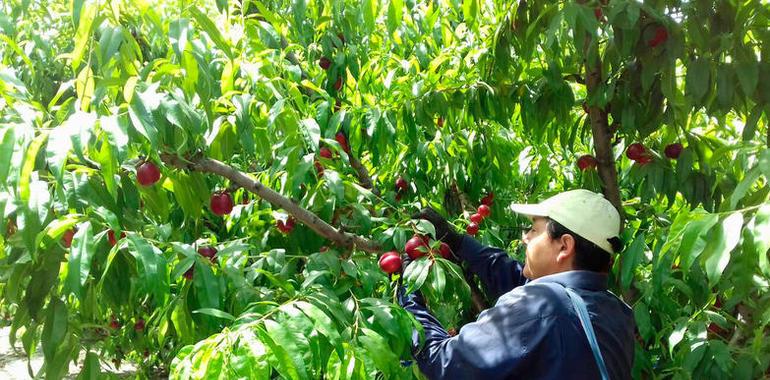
(215,313)
(416,273)
(108,166)
(395,14)
(91,368)
(83,34)
(631,258)
(140,112)
(744,186)
(212,30)
(7,143)
(425,227)
(694,238)
(153,272)
(721,242)
(322,323)
(369,10)
(438,276)
(55,328)
(750,128)
(312,132)
(81,253)
(25,176)
(677,334)
(698,81)
(761,234)
(748,76)
(283,344)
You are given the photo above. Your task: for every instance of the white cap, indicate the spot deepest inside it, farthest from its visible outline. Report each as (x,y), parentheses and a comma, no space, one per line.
(583,212)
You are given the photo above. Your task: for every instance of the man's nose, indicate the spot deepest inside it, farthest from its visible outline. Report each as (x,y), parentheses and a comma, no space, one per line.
(524,238)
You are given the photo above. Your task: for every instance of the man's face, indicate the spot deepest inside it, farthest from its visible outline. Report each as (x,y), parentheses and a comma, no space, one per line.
(542,251)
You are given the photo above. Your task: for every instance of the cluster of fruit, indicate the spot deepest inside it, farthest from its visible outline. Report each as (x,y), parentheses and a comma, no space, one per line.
(326,153)
(416,247)
(482,212)
(636,152)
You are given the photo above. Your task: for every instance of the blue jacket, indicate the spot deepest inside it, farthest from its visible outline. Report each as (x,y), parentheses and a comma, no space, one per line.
(532,332)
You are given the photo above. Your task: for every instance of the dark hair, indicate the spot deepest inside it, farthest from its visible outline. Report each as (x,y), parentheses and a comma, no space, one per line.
(588,256)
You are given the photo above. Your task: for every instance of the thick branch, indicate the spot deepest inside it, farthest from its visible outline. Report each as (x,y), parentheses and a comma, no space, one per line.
(601,133)
(315,223)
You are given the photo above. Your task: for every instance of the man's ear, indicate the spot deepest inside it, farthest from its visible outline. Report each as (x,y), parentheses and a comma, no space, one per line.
(567,249)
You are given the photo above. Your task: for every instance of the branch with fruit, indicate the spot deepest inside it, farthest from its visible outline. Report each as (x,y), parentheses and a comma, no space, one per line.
(313,222)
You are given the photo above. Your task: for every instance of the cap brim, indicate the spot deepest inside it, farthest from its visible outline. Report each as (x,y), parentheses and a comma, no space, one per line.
(529,210)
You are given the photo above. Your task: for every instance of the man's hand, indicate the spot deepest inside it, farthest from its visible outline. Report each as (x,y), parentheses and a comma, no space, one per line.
(444,231)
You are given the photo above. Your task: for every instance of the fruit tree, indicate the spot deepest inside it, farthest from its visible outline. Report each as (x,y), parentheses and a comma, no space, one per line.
(216,188)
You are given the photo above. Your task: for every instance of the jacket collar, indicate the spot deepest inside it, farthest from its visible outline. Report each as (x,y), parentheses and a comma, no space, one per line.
(577,279)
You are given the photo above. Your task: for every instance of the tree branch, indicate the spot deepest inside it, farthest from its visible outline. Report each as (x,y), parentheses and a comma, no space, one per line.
(315,223)
(363,174)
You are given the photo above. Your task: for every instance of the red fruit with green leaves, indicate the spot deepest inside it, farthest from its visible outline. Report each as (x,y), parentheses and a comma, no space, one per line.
(390,262)
(343,140)
(325,152)
(208,252)
(114,324)
(440,122)
(472,229)
(111,237)
(598,14)
(661,35)
(673,151)
(221,203)
(477,218)
(319,168)
(445,251)
(67,237)
(488,199)
(636,151)
(416,247)
(139,325)
(338,84)
(325,63)
(401,184)
(644,160)
(586,162)
(484,211)
(285,227)
(189,274)
(147,174)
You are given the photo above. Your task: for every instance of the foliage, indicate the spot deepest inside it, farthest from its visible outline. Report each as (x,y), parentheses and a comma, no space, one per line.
(460,98)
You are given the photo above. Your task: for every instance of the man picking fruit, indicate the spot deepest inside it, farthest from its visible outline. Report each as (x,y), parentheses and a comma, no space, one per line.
(554,317)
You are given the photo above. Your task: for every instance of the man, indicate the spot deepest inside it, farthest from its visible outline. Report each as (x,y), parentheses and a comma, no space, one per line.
(534,330)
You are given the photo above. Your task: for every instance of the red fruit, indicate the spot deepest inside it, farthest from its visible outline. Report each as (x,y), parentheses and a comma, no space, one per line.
(661,35)
(484,211)
(189,274)
(111,237)
(416,247)
(343,140)
(325,63)
(221,203)
(67,238)
(390,262)
(673,151)
(476,218)
(208,252)
(440,122)
(487,200)
(398,197)
(401,184)
(338,84)
(586,162)
(114,324)
(319,168)
(325,152)
(445,251)
(147,174)
(472,228)
(635,151)
(598,14)
(285,227)
(139,325)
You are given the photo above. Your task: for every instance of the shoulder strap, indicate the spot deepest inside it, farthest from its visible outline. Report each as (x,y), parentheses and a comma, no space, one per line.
(585,321)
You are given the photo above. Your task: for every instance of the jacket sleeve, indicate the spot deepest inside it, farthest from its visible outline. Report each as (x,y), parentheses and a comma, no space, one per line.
(500,342)
(497,271)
